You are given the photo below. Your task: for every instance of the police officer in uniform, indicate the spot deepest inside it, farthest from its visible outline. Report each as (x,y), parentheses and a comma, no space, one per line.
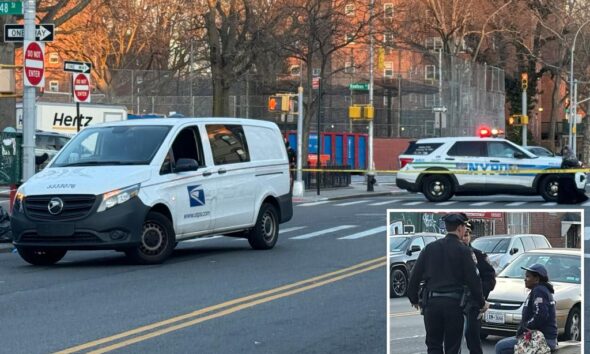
(487,274)
(445,267)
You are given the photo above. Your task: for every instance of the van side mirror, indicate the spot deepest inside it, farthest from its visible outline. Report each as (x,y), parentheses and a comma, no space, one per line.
(513,251)
(184,165)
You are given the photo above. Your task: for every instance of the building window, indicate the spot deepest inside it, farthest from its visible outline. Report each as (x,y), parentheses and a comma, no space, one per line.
(388,39)
(518,223)
(294,70)
(349,38)
(413,98)
(388,10)
(316,71)
(349,67)
(433,43)
(388,69)
(430,72)
(53,58)
(349,10)
(429,100)
(53,86)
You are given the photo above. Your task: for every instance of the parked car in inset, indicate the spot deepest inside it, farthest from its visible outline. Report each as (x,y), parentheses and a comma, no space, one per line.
(564,267)
(501,249)
(403,253)
(540,151)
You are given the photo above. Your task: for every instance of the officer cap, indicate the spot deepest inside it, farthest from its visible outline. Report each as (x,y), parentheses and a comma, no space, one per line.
(539,269)
(456,219)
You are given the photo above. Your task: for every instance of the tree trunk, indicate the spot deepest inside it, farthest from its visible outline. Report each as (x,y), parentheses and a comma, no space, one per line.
(554,108)
(220,98)
(7,105)
(586,140)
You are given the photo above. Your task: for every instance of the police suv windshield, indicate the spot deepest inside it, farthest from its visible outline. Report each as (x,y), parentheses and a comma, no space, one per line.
(119,145)
(560,268)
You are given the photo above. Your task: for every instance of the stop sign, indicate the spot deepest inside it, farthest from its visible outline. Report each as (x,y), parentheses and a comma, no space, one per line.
(34,64)
(81,87)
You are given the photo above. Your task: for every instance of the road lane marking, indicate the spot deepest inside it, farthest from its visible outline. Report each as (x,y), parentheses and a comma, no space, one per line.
(412,337)
(284,231)
(352,203)
(313,203)
(322,232)
(385,203)
(405,314)
(481,203)
(447,203)
(413,203)
(231,307)
(550,204)
(365,233)
(516,203)
(586,204)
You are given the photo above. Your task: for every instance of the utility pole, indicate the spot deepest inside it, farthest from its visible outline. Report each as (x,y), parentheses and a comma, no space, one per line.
(572,112)
(298,184)
(575,118)
(524,85)
(371,174)
(29,93)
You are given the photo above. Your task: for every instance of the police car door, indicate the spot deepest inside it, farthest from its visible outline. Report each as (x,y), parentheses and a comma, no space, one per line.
(193,192)
(469,158)
(507,159)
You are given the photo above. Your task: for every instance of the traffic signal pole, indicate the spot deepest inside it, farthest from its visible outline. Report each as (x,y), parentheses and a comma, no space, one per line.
(298,184)
(29,99)
(524,113)
(370,175)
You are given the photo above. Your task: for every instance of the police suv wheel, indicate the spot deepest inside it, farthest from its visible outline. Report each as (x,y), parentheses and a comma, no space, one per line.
(265,233)
(573,326)
(156,242)
(549,188)
(40,256)
(437,188)
(398,283)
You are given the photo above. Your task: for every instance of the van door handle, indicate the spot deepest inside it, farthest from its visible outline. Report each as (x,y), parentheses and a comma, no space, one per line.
(221,171)
(450,159)
(494,160)
(207,174)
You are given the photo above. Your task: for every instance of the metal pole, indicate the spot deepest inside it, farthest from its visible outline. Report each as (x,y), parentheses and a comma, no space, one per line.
(440,104)
(133,90)
(370,175)
(524,113)
(399,92)
(298,184)
(190,73)
(317,174)
(574,121)
(29,116)
(572,113)
(79,119)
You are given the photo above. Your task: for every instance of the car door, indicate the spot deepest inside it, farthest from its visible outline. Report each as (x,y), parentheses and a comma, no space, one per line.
(469,158)
(234,176)
(503,158)
(192,193)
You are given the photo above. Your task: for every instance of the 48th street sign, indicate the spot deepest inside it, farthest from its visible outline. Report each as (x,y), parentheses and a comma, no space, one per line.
(11,7)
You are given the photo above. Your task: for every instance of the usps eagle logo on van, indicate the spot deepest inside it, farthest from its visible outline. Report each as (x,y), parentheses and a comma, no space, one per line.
(196,195)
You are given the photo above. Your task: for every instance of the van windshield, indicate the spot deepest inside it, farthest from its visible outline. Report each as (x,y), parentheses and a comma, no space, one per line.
(119,145)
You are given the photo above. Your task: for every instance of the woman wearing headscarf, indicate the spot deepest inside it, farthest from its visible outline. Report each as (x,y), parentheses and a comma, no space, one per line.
(538,312)
(567,192)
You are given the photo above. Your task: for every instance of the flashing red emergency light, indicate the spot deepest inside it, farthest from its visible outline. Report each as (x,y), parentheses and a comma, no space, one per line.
(484,133)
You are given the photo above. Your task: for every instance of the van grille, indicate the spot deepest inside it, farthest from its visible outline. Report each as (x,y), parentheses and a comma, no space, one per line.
(79,237)
(74,207)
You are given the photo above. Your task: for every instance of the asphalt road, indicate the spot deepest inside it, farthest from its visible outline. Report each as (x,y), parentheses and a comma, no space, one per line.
(92,295)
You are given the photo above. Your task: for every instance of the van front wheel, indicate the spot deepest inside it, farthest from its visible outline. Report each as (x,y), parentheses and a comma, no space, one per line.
(156,242)
(265,233)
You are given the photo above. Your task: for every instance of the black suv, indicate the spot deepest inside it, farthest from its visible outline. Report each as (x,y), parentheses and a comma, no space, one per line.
(403,253)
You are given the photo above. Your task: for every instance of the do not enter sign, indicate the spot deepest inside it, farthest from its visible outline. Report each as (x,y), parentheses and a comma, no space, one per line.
(81,86)
(34,64)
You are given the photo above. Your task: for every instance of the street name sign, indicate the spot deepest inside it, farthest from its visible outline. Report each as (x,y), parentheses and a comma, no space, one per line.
(77,67)
(359,86)
(16,33)
(81,87)
(34,64)
(11,7)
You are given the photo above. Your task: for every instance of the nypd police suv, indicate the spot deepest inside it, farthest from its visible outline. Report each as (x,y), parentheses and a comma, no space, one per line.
(484,166)
(141,186)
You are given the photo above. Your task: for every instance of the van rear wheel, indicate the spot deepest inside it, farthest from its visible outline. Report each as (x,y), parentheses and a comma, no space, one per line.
(41,256)
(264,235)
(156,242)
(437,188)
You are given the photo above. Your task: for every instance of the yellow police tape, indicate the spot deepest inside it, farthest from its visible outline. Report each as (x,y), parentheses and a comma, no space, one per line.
(498,172)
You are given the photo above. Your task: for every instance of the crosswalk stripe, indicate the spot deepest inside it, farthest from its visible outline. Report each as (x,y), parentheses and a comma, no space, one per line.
(322,232)
(384,203)
(284,231)
(203,238)
(370,232)
(481,203)
(516,203)
(313,203)
(352,203)
(550,204)
(447,203)
(586,204)
(413,203)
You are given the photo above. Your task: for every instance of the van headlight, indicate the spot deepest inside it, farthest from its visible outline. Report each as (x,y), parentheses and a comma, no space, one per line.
(18,202)
(118,196)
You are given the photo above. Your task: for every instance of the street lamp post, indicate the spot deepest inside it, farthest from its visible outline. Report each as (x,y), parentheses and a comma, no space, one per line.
(371,173)
(573,108)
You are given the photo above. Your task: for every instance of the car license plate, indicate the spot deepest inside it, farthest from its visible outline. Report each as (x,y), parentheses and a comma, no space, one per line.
(495,317)
(55,229)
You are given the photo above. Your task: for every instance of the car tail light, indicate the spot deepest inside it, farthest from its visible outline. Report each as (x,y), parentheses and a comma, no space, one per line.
(404,161)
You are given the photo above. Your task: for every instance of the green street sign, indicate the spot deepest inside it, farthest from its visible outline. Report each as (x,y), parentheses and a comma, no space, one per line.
(11,8)
(359,87)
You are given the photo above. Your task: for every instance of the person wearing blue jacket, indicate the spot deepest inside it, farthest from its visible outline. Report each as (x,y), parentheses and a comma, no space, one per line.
(538,312)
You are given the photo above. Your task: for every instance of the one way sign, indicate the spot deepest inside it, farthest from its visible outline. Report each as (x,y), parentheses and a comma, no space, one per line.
(77,67)
(16,33)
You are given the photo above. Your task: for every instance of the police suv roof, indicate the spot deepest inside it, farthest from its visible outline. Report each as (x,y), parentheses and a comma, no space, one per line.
(182,121)
(459,138)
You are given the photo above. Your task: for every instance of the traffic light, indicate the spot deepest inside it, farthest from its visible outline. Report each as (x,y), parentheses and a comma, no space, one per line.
(524,81)
(518,119)
(279,103)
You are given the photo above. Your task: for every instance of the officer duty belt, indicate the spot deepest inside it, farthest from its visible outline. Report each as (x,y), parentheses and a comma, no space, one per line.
(452,295)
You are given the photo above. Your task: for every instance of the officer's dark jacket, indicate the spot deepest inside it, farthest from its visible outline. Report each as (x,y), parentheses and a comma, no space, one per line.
(446,265)
(539,311)
(486,272)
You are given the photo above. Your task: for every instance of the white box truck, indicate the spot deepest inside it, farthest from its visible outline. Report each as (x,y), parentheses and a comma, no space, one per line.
(61,117)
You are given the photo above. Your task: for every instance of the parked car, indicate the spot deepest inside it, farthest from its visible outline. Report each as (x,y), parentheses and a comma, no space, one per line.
(47,145)
(540,151)
(564,266)
(501,249)
(403,253)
